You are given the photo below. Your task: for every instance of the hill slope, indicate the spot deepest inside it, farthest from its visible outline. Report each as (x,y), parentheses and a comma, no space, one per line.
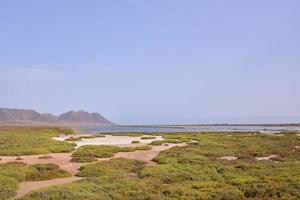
(11,115)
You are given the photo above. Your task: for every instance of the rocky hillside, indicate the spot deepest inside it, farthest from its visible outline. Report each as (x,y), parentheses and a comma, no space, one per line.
(82,116)
(9,115)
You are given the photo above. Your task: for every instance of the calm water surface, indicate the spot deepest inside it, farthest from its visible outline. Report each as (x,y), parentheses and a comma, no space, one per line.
(107,129)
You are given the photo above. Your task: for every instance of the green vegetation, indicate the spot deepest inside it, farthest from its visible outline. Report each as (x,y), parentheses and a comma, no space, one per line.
(92,136)
(89,153)
(161,142)
(11,174)
(135,142)
(72,139)
(194,171)
(143,148)
(17,141)
(41,172)
(148,138)
(113,168)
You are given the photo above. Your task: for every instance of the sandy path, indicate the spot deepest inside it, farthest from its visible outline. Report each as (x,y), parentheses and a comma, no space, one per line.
(146,155)
(63,160)
(29,186)
(60,159)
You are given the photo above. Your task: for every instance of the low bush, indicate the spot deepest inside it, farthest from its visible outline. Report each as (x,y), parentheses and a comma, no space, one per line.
(90,152)
(143,148)
(41,172)
(135,142)
(18,141)
(161,142)
(92,136)
(148,138)
(11,174)
(72,139)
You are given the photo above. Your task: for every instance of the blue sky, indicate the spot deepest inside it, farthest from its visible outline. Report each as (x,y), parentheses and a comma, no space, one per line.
(153,61)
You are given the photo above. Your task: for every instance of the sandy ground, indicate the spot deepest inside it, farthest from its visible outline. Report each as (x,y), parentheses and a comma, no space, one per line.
(108,140)
(267,157)
(146,155)
(63,160)
(29,186)
(229,158)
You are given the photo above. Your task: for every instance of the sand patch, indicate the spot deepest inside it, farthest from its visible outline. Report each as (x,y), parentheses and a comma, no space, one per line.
(148,155)
(229,158)
(60,159)
(29,186)
(108,140)
(267,157)
(63,161)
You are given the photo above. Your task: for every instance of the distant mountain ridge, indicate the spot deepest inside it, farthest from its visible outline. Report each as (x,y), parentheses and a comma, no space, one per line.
(12,115)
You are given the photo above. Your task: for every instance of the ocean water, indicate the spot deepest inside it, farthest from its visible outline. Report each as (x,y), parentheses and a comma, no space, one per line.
(108,129)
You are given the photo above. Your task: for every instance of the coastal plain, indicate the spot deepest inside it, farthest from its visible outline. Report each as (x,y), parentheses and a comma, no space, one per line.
(34,165)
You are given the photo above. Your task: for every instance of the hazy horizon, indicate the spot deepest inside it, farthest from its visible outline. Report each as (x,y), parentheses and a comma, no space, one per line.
(153,62)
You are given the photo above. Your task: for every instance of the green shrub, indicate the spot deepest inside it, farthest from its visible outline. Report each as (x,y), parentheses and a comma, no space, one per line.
(8,187)
(193,172)
(71,139)
(40,172)
(11,174)
(148,138)
(135,142)
(143,148)
(92,136)
(18,141)
(161,142)
(113,167)
(90,152)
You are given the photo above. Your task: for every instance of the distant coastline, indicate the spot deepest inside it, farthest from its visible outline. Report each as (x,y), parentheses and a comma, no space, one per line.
(217,125)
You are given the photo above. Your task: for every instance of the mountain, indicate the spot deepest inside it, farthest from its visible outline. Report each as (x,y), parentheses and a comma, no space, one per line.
(11,115)
(82,116)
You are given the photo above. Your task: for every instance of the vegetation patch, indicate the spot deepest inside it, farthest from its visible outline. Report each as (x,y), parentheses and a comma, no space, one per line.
(72,139)
(41,172)
(148,138)
(91,152)
(11,174)
(135,142)
(116,167)
(161,142)
(18,141)
(92,136)
(195,171)
(143,148)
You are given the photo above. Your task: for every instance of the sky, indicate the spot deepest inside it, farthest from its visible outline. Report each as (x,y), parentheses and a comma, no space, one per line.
(153,61)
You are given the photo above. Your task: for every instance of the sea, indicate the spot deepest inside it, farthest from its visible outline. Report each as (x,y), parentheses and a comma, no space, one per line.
(240,128)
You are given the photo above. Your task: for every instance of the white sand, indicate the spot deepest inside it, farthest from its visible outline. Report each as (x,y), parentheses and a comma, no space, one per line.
(267,157)
(229,158)
(108,140)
